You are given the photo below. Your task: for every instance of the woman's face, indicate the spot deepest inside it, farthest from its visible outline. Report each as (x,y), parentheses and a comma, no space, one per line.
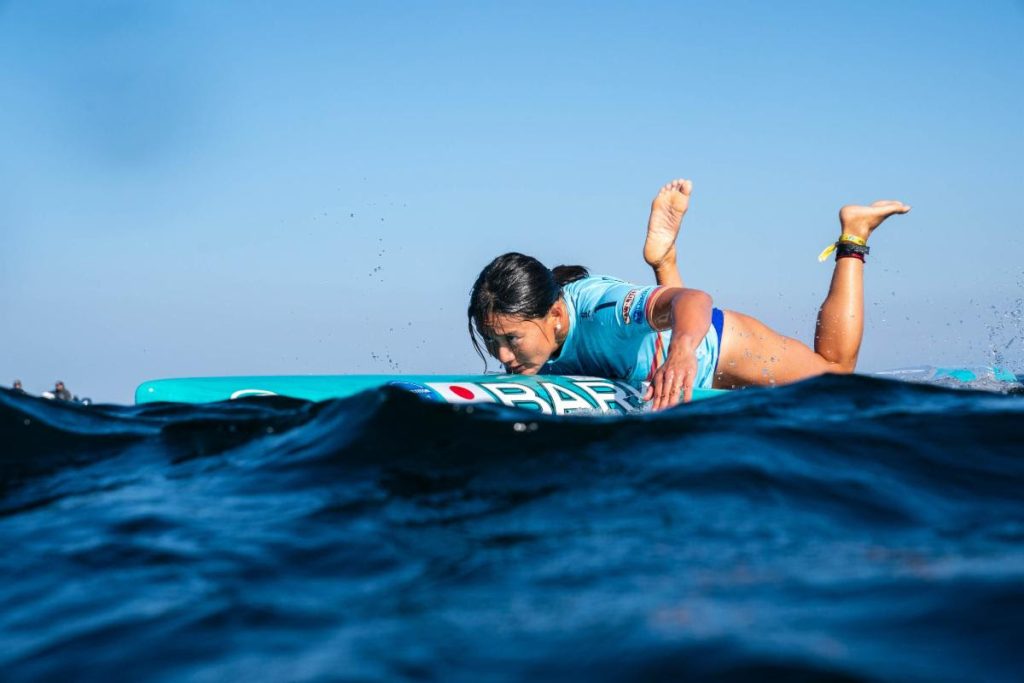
(524,345)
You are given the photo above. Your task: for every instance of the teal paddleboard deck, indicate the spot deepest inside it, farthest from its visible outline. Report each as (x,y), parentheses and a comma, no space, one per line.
(558,395)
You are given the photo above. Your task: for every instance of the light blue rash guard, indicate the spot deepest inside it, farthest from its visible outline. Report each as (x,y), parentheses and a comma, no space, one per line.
(611,335)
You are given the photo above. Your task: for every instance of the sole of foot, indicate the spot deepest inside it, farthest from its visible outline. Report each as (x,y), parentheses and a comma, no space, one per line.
(667,211)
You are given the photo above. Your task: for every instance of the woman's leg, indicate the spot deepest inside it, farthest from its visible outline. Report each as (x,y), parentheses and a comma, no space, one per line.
(751,353)
(667,211)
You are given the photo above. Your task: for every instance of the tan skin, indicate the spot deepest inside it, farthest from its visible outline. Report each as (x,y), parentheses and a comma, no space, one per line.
(751,353)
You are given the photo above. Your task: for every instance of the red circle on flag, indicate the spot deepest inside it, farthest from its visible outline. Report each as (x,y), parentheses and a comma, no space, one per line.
(461,392)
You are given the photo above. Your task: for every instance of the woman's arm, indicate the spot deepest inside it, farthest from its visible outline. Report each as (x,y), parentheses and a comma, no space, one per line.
(687,312)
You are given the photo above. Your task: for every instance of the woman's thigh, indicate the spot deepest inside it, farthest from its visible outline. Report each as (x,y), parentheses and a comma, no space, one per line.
(751,353)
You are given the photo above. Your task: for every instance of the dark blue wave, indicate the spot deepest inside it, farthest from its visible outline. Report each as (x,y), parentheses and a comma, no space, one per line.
(845,528)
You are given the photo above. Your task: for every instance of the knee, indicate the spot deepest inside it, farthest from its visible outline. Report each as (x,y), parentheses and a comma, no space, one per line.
(842,368)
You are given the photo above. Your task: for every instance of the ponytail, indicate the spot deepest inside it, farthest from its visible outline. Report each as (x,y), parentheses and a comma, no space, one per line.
(565,274)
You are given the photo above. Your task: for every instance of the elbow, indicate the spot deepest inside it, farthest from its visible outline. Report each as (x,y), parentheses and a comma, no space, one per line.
(700,297)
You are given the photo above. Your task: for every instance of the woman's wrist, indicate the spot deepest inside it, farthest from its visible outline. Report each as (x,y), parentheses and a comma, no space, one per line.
(682,344)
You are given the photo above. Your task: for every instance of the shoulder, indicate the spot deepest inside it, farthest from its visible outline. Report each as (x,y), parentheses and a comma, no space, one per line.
(622,305)
(590,292)
(611,301)
(593,285)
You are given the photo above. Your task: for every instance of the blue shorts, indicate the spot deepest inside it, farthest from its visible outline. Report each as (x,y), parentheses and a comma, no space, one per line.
(707,351)
(713,342)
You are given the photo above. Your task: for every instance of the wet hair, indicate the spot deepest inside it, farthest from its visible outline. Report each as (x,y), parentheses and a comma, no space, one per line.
(519,286)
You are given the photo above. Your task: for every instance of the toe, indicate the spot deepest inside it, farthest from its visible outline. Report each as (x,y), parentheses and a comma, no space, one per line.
(894,207)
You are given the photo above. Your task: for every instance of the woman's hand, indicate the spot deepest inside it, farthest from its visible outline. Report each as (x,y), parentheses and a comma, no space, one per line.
(676,376)
(688,313)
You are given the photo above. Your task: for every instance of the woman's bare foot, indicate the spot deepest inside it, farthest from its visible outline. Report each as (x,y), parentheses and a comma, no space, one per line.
(667,211)
(860,221)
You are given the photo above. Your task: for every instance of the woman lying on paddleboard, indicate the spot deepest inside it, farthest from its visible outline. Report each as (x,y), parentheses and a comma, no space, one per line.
(568,322)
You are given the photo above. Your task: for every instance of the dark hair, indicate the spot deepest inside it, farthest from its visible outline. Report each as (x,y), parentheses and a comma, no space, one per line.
(516,285)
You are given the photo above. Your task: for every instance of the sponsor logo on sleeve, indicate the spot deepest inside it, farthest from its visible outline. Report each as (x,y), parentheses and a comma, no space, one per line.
(627,304)
(640,308)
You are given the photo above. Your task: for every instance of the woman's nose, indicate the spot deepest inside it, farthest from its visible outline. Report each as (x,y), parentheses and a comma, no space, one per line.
(505,354)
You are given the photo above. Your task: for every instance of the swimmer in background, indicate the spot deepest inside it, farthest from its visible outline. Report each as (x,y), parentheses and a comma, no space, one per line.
(565,321)
(16,387)
(60,392)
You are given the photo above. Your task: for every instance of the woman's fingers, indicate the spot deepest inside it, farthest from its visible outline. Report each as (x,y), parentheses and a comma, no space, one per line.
(656,385)
(671,395)
(659,391)
(688,387)
(666,389)
(673,382)
(667,386)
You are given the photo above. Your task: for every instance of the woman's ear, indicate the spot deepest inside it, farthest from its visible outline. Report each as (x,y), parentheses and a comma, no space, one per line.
(559,315)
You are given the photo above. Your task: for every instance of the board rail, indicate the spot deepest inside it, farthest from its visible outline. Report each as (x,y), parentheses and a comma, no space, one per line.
(550,394)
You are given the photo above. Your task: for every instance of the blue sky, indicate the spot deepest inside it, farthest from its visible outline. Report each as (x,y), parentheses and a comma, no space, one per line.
(264,188)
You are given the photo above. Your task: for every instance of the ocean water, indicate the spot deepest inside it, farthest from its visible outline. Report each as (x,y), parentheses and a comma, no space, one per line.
(846,528)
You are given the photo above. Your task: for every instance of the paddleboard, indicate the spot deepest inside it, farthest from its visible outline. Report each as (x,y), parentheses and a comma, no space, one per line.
(550,394)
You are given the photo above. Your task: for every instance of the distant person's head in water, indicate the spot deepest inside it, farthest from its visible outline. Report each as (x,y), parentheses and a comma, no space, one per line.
(516,309)
(60,392)
(17,385)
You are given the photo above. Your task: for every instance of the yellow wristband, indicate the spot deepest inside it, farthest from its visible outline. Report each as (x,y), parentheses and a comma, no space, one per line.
(845,237)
